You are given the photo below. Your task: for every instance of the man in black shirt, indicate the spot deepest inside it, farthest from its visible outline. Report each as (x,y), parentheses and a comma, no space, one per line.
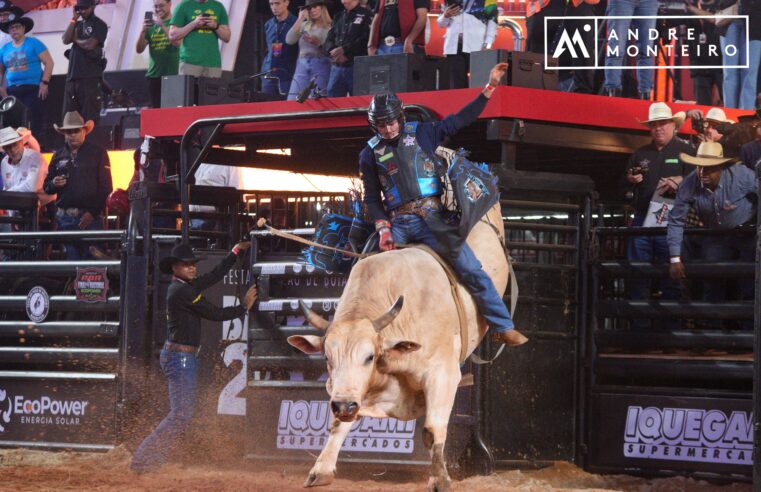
(80,174)
(655,171)
(86,62)
(346,39)
(185,307)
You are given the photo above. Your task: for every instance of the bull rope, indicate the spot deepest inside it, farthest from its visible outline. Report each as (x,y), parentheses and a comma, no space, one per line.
(299,239)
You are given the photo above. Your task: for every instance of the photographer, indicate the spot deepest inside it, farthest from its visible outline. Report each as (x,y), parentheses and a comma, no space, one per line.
(200,25)
(164,54)
(87,36)
(655,172)
(470,27)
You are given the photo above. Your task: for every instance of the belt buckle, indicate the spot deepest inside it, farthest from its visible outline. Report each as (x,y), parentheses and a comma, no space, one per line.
(389,40)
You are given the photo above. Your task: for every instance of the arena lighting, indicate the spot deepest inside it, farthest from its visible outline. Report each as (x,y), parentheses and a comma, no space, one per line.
(13,113)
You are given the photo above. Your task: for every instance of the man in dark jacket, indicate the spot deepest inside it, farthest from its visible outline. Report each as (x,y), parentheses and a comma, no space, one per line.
(185,307)
(347,39)
(400,162)
(80,174)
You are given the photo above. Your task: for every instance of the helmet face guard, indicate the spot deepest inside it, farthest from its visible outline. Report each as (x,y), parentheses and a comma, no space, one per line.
(384,109)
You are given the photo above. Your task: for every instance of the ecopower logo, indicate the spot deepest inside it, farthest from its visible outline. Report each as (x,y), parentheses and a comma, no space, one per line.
(42,410)
(579,37)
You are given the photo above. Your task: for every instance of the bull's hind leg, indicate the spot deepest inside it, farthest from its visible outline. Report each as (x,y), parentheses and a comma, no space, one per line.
(440,388)
(324,469)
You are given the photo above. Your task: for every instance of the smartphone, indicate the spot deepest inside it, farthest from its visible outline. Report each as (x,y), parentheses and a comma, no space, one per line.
(149,16)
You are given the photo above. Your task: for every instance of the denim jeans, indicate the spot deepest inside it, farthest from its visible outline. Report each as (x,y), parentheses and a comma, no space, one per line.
(728,247)
(385,49)
(413,229)
(76,251)
(308,69)
(629,8)
(341,81)
(654,249)
(181,372)
(29,95)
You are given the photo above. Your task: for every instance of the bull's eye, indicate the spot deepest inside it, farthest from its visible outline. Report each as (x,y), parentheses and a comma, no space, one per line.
(369,359)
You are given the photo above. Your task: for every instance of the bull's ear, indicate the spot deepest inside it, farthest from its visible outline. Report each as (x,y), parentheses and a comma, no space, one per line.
(309,344)
(395,347)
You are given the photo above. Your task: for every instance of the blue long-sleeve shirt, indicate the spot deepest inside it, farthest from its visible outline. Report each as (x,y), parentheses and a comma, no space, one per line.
(728,206)
(283,60)
(429,136)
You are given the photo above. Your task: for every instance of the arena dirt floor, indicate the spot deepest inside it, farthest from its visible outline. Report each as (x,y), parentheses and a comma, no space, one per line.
(22,470)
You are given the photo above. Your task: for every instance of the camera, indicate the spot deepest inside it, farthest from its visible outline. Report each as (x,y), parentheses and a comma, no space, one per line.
(149,16)
(637,170)
(699,125)
(454,3)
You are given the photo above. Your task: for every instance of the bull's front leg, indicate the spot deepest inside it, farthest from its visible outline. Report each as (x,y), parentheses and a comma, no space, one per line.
(440,389)
(324,469)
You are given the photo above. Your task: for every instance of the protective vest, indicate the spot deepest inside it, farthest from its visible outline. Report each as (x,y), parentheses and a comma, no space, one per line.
(406,172)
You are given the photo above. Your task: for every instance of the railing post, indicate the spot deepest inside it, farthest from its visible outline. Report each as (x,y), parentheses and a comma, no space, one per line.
(757,350)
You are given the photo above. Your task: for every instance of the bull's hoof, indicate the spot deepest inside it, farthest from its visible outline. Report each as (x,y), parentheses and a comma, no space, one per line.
(439,484)
(316,479)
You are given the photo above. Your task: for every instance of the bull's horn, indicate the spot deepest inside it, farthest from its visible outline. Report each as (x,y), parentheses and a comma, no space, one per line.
(389,315)
(314,319)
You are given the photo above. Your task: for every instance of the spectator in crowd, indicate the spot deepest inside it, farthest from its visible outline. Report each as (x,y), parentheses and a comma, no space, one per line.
(719,192)
(23,169)
(80,174)
(87,36)
(470,27)
(313,65)
(739,87)
(213,175)
(8,12)
(27,66)
(617,36)
(750,153)
(706,34)
(281,57)
(654,171)
(164,54)
(199,25)
(398,27)
(347,39)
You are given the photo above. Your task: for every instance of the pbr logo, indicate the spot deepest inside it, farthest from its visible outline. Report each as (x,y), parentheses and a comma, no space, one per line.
(618,39)
(304,425)
(689,434)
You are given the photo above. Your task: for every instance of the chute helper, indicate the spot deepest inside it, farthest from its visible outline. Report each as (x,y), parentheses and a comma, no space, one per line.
(400,162)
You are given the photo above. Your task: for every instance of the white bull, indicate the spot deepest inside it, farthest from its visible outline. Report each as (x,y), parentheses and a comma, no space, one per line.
(400,363)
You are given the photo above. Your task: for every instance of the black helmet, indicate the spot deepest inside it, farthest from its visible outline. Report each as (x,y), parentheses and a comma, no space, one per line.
(384,108)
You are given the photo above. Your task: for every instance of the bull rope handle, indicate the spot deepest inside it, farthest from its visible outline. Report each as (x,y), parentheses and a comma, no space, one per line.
(287,235)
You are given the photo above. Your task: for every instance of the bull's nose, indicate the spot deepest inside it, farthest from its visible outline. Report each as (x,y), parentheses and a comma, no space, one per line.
(344,410)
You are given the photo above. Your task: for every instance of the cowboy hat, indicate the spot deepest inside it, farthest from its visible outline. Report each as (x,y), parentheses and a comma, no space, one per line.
(9,136)
(73,120)
(709,154)
(717,115)
(24,21)
(86,3)
(660,111)
(15,12)
(181,252)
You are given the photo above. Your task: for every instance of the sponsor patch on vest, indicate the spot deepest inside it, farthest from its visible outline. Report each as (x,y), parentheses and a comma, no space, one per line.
(386,157)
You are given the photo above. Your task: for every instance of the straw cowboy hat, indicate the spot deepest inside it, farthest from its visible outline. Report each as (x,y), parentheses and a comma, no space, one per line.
(709,154)
(72,121)
(660,111)
(24,21)
(181,252)
(9,136)
(717,115)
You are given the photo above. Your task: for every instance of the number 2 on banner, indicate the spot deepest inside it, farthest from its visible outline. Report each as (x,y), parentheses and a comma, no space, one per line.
(229,402)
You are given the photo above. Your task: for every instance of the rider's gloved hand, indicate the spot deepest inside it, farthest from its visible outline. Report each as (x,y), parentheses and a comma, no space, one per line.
(386,238)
